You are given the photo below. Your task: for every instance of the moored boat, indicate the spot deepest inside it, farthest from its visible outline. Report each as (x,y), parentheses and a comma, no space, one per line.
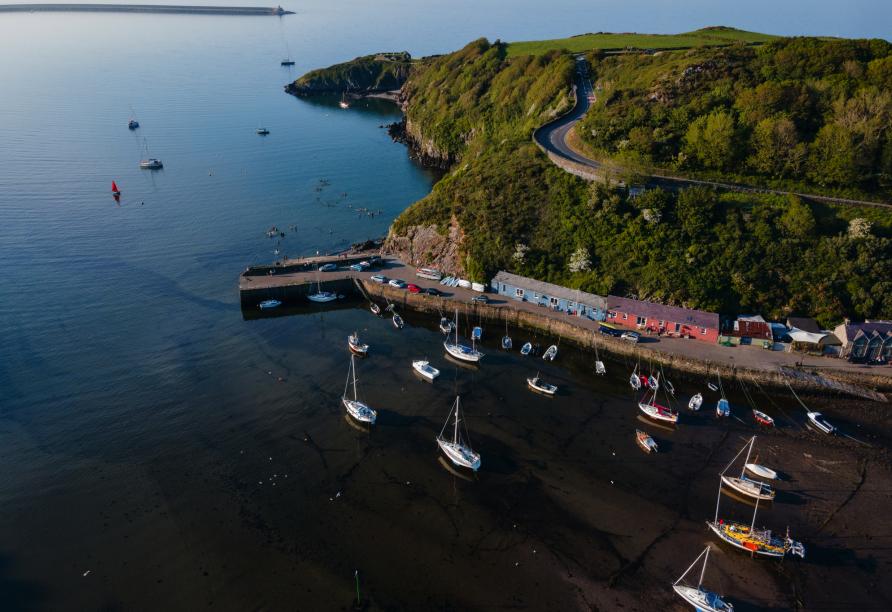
(526,348)
(397,321)
(600,368)
(537,384)
(506,343)
(322,296)
(723,408)
(355,408)
(269,304)
(749,487)
(635,381)
(551,353)
(700,598)
(760,470)
(656,411)
(355,345)
(644,440)
(477,333)
(445,325)
(457,450)
(762,418)
(696,402)
(375,308)
(822,424)
(425,369)
(461,351)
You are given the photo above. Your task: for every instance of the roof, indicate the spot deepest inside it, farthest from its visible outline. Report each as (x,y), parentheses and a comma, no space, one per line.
(868,327)
(803,323)
(799,335)
(543,288)
(674,314)
(749,328)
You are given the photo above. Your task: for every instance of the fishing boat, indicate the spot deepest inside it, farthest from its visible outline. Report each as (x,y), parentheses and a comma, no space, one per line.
(537,384)
(262,131)
(477,333)
(397,321)
(461,351)
(428,273)
(526,349)
(757,542)
(647,444)
(376,310)
(696,402)
(151,163)
(269,304)
(287,62)
(656,411)
(818,420)
(760,470)
(747,486)
(700,598)
(425,369)
(600,368)
(445,325)
(762,418)
(722,408)
(355,408)
(132,124)
(115,190)
(356,345)
(457,450)
(551,353)
(635,381)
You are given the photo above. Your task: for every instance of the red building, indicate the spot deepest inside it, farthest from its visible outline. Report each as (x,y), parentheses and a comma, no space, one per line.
(661,319)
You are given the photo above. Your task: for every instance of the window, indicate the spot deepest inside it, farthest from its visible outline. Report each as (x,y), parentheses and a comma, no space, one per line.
(518,293)
(662,323)
(554,301)
(640,320)
(677,327)
(625,316)
(703,331)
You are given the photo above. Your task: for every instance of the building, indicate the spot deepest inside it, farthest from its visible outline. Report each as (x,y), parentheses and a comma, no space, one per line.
(870,341)
(806,324)
(555,297)
(749,330)
(814,343)
(662,319)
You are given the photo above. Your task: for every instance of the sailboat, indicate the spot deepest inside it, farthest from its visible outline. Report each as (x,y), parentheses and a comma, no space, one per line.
(344,103)
(747,486)
(461,351)
(697,596)
(537,384)
(635,380)
(355,408)
(655,411)
(506,339)
(150,163)
(600,368)
(356,346)
(262,131)
(115,191)
(653,382)
(696,402)
(445,325)
(477,333)
(456,450)
(320,295)
(758,542)
(132,124)
(723,408)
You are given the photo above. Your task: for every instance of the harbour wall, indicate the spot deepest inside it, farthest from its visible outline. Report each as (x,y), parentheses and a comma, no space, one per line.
(145,8)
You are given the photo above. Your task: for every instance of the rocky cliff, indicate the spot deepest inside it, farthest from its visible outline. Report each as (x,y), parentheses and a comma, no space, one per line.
(424,245)
(370,73)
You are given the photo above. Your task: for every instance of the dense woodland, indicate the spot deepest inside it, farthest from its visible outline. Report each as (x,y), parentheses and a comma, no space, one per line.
(729,252)
(802,112)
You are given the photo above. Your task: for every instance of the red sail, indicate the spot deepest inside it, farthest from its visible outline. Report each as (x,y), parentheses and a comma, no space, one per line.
(115,188)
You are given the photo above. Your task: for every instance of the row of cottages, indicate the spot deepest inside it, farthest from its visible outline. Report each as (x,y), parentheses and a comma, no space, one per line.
(870,341)
(661,319)
(572,301)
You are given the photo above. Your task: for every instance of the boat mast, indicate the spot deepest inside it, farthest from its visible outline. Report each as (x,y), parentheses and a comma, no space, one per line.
(753,524)
(748,453)
(717,502)
(690,567)
(353,366)
(455,435)
(703,571)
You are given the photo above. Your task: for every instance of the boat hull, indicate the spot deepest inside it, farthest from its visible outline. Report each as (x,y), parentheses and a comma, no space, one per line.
(541,387)
(749,488)
(647,444)
(321,298)
(658,413)
(463,353)
(702,599)
(459,455)
(775,550)
(761,471)
(360,411)
(425,370)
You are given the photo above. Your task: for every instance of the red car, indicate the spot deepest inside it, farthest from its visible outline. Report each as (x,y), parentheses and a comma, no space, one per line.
(413,288)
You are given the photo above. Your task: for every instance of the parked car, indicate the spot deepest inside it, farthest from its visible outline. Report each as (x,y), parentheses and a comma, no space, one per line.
(329,267)
(365,264)
(480,299)
(357,268)
(378,278)
(631,336)
(413,288)
(397,283)
(432,291)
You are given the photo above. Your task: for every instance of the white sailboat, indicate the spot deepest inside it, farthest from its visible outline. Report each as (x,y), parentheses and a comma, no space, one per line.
(537,384)
(742,484)
(656,411)
(634,380)
(697,596)
(456,450)
(358,410)
(461,351)
(320,295)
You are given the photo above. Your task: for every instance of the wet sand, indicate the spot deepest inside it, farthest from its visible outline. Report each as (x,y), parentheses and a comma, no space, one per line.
(271,500)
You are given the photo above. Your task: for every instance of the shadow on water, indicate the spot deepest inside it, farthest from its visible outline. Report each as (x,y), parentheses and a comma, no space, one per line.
(17,594)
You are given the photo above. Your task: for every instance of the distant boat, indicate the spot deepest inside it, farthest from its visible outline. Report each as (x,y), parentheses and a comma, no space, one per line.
(461,351)
(445,325)
(696,402)
(700,598)
(526,349)
(818,420)
(551,353)
(425,369)
(132,124)
(723,408)
(151,163)
(647,444)
(344,103)
(321,296)
(537,384)
(358,410)
(600,368)
(355,345)
(397,321)
(477,333)
(269,304)
(376,310)
(762,418)
(287,62)
(457,450)
(115,190)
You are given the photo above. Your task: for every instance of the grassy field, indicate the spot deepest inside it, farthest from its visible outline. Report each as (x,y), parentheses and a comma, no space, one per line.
(585,42)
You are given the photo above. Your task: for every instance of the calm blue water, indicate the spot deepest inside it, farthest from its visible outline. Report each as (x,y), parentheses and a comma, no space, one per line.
(138,412)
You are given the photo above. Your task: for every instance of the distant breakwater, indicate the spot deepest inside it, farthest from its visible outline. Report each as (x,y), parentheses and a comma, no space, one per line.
(145,8)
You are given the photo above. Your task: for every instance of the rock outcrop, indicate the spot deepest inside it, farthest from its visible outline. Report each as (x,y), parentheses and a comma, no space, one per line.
(424,245)
(420,148)
(367,74)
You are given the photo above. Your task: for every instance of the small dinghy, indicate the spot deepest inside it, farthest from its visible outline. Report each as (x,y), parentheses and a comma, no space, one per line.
(669,388)
(537,384)
(355,408)
(761,471)
(723,408)
(696,402)
(356,345)
(376,310)
(700,598)
(477,333)
(457,450)
(712,386)
(506,343)
(269,304)
(762,418)
(397,321)
(647,444)
(425,369)
(551,353)
(526,349)
(818,420)
(115,191)
(600,368)
(751,488)
(445,325)
(635,381)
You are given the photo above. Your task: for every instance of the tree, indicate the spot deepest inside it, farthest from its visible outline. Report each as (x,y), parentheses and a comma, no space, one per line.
(695,210)
(833,156)
(859,228)
(710,139)
(798,219)
(580,261)
(776,148)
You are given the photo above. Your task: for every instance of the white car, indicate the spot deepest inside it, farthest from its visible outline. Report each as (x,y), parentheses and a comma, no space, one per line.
(378,278)
(329,267)
(397,283)
(631,336)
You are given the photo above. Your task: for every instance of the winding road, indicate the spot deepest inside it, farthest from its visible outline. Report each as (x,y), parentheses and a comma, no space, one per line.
(552,139)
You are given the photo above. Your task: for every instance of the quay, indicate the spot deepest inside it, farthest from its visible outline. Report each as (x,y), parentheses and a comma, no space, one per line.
(145,8)
(292,280)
